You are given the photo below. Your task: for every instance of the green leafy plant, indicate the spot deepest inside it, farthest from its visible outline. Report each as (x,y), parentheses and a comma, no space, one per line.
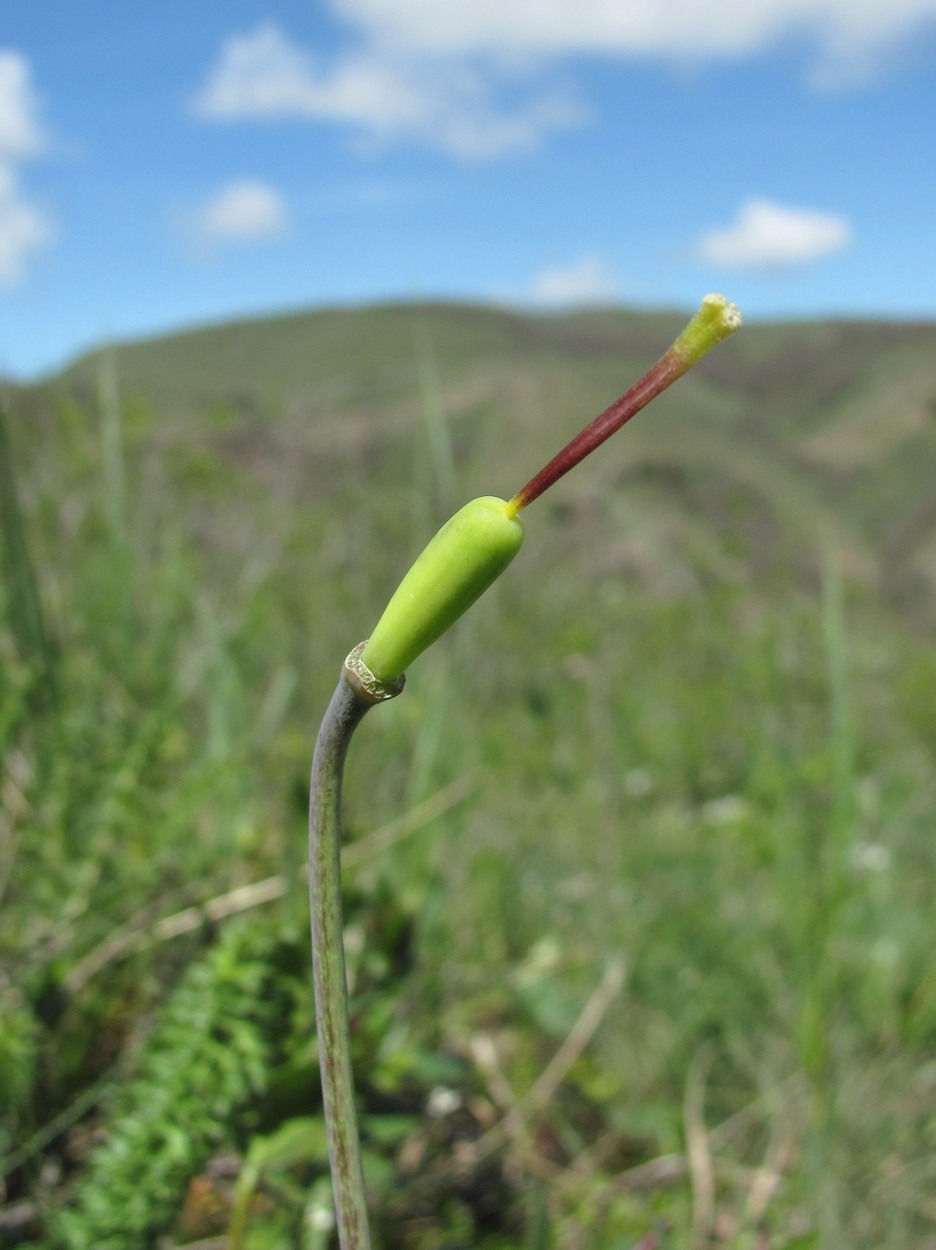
(209,1053)
(459,564)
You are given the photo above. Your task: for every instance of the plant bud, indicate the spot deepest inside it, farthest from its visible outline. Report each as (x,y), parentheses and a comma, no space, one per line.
(469,552)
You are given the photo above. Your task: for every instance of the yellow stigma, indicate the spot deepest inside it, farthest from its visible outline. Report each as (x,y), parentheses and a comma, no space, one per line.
(715,320)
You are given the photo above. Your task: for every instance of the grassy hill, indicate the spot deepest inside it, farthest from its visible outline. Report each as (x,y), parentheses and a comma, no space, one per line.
(639,891)
(811,427)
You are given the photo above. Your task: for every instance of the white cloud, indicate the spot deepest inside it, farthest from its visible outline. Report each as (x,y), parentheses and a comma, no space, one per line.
(478,78)
(443,102)
(587,280)
(680,29)
(245,211)
(766,235)
(264,74)
(24,229)
(261,74)
(20,132)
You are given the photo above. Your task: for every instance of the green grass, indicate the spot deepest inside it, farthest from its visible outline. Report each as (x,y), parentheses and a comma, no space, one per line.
(687,735)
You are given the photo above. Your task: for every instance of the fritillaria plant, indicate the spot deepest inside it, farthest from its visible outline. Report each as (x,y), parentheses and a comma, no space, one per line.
(459,564)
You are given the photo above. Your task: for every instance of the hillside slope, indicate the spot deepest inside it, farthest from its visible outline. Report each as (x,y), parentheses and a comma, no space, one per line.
(793,435)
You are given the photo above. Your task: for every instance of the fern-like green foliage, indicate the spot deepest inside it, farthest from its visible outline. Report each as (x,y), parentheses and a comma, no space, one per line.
(208,1055)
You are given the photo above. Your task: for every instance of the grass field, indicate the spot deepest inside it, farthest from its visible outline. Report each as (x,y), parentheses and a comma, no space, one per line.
(641,866)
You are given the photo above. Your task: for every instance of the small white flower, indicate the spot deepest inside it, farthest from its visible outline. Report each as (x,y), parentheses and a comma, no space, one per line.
(443,1101)
(319,1218)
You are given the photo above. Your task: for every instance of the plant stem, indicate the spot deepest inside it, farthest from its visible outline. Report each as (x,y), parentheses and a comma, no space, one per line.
(714,321)
(356,694)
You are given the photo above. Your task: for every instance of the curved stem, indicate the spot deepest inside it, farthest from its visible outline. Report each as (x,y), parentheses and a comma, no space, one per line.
(351,700)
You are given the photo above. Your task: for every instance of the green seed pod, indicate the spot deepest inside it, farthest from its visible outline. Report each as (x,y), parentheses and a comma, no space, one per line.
(469,552)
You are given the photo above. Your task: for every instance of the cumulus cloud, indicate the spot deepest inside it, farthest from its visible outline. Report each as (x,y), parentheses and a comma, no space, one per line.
(679,29)
(20,132)
(24,228)
(265,75)
(244,211)
(384,93)
(767,235)
(587,280)
(480,78)
(261,74)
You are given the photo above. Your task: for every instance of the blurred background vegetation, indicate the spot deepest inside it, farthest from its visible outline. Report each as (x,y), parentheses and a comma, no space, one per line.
(640,869)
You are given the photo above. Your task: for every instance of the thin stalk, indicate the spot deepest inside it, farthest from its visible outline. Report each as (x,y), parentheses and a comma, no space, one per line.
(112,452)
(459,564)
(114,483)
(356,694)
(714,321)
(663,374)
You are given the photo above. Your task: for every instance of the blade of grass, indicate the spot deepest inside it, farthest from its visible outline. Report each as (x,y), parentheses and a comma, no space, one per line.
(114,489)
(25,605)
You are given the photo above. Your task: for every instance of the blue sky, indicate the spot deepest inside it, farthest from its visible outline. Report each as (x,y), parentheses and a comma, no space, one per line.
(165,165)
